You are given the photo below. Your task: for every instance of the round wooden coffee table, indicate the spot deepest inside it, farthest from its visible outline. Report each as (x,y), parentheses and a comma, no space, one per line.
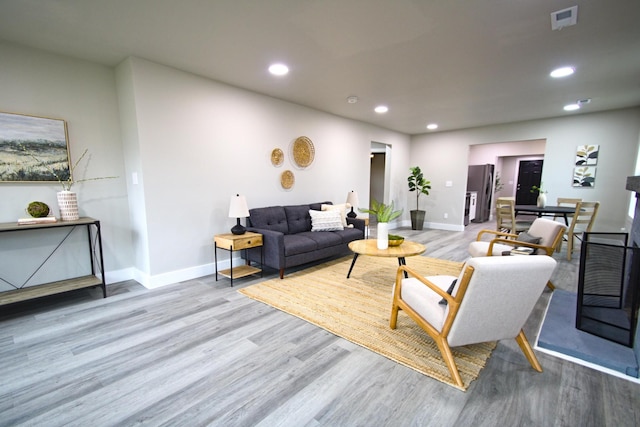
(370,247)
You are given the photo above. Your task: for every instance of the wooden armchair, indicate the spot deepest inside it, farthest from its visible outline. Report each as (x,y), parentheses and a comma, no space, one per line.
(549,232)
(491,300)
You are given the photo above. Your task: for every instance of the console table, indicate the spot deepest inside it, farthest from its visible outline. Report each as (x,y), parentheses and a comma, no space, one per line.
(22,292)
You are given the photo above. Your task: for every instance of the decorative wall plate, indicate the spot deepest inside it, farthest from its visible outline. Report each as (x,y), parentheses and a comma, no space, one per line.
(303,152)
(287,179)
(277,157)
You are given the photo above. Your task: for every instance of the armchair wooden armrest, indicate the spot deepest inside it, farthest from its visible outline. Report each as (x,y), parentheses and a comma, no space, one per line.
(495,233)
(412,273)
(517,243)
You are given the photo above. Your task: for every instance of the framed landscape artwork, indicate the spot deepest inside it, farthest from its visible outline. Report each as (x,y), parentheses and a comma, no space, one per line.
(33,149)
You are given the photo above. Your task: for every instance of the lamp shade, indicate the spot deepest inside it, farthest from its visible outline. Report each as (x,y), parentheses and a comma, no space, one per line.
(352,199)
(238,207)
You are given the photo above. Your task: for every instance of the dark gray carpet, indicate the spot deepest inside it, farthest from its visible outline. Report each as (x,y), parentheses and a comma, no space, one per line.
(558,334)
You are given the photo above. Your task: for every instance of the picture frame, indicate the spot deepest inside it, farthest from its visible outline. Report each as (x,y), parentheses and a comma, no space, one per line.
(33,149)
(587,155)
(584,176)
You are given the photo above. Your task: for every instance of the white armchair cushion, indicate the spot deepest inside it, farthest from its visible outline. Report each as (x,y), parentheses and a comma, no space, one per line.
(477,249)
(547,230)
(426,302)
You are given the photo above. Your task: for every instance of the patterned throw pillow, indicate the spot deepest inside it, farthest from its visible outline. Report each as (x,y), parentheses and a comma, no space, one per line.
(343,208)
(325,220)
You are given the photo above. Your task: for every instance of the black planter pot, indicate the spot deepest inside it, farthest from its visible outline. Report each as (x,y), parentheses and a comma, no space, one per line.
(417,219)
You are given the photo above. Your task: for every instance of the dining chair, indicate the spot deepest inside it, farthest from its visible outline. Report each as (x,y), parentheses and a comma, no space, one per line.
(566,202)
(491,300)
(506,216)
(582,221)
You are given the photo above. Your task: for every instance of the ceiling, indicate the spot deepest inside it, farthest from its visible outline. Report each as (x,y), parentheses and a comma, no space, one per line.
(458,63)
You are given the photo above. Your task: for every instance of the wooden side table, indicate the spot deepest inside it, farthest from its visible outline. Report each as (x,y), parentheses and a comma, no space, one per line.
(238,242)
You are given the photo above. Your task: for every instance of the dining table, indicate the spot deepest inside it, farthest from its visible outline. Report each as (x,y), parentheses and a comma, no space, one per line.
(545,211)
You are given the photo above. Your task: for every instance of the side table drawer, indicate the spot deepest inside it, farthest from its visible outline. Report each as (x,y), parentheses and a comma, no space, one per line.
(247,242)
(238,242)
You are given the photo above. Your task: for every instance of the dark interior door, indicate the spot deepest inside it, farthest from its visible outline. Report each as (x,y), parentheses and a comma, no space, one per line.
(529,174)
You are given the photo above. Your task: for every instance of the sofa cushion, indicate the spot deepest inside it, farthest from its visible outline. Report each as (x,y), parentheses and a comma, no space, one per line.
(325,220)
(271,218)
(350,234)
(298,218)
(295,244)
(323,240)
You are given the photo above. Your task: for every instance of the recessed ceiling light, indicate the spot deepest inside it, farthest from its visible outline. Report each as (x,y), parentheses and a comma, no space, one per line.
(352,99)
(432,126)
(380,109)
(572,107)
(562,72)
(278,69)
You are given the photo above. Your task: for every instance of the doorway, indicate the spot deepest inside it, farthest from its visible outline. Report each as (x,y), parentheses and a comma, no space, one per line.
(529,174)
(378,173)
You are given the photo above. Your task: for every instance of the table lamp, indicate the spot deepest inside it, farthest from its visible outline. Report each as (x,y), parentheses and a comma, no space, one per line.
(238,209)
(352,199)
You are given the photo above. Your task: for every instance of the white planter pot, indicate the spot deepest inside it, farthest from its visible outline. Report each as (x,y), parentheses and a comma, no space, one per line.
(542,200)
(383,235)
(68,204)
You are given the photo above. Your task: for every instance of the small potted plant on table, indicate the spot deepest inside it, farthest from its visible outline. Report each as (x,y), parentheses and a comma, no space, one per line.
(384,214)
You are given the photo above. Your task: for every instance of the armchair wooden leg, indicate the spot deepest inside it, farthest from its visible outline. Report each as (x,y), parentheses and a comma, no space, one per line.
(551,285)
(528,351)
(445,350)
(394,316)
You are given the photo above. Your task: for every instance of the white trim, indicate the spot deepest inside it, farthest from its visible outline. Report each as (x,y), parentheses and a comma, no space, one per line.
(577,361)
(171,277)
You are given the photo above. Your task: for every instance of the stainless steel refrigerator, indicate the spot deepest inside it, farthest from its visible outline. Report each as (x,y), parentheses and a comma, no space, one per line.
(480,179)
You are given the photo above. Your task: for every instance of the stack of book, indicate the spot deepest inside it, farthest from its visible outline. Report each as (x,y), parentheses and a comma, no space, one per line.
(522,250)
(43,220)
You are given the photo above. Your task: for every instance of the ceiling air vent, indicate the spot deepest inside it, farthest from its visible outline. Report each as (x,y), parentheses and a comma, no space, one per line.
(564,18)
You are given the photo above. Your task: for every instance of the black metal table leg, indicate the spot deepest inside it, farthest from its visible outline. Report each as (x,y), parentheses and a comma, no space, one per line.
(403,261)
(355,257)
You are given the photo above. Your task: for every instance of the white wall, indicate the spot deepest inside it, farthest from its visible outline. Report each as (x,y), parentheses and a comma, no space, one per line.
(443,156)
(83,94)
(199,142)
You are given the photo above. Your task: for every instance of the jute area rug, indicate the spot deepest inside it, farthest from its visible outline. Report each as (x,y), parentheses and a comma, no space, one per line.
(358,309)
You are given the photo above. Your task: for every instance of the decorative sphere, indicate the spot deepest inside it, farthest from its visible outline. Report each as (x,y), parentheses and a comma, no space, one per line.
(38,209)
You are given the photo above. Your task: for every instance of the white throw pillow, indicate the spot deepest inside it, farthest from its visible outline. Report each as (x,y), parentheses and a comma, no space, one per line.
(343,208)
(325,220)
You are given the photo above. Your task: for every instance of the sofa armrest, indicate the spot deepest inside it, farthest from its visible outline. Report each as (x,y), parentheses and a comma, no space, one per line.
(273,246)
(357,223)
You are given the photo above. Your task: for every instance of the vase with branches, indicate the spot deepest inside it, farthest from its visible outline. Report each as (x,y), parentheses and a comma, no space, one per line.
(67,199)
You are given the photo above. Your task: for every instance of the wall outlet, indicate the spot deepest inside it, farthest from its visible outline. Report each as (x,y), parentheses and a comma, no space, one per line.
(446,215)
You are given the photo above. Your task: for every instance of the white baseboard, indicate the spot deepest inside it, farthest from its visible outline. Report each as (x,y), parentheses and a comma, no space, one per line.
(434,225)
(159,280)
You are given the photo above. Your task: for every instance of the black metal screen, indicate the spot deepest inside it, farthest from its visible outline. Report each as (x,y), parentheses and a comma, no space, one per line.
(608,287)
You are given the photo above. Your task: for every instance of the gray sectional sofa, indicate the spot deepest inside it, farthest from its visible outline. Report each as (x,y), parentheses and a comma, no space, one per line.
(288,240)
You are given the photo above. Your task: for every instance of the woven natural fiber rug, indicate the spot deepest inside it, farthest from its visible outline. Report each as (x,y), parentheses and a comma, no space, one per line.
(358,309)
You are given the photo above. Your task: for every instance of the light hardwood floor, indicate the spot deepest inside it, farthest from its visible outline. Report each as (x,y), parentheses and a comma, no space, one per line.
(199,353)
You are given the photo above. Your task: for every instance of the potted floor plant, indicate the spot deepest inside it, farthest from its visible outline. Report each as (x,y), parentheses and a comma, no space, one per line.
(384,214)
(420,185)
